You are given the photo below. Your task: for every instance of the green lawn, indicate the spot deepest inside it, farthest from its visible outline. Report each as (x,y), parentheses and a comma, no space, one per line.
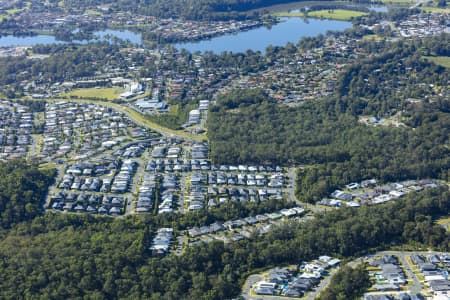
(13,11)
(101,93)
(173,109)
(441,10)
(92,12)
(440,60)
(399,1)
(39,138)
(47,166)
(336,14)
(372,37)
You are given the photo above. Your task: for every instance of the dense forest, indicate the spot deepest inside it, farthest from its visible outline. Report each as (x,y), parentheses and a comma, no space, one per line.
(347,283)
(86,257)
(22,190)
(327,135)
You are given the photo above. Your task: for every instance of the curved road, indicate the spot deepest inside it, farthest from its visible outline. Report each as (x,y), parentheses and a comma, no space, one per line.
(139,119)
(415,287)
(136,117)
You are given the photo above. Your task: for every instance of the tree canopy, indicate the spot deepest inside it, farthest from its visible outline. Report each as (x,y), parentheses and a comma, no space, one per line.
(22,192)
(348,283)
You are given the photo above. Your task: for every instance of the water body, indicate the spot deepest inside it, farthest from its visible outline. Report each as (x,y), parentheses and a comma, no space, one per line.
(9,40)
(105,35)
(126,35)
(257,39)
(290,30)
(378,8)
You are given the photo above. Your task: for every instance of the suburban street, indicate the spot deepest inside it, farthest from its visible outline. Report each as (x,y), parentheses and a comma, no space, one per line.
(323,284)
(291,185)
(52,188)
(136,182)
(137,118)
(414,287)
(252,279)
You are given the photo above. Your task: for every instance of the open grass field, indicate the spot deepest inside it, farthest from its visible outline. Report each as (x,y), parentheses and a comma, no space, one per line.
(286,7)
(47,166)
(101,93)
(336,14)
(440,60)
(399,1)
(372,37)
(442,10)
(92,12)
